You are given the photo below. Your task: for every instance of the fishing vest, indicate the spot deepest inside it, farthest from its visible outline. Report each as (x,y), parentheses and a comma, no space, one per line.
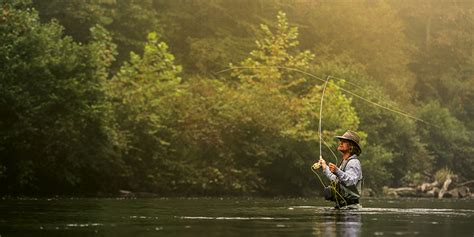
(350,192)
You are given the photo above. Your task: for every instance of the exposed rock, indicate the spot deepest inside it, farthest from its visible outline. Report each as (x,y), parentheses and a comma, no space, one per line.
(460,192)
(425,187)
(406,192)
(445,189)
(464,192)
(433,192)
(126,193)
(389,192)
(454,193)
(130,194)
(368,192)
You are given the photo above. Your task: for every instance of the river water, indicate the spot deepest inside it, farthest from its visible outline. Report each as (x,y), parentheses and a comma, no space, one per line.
(233,217)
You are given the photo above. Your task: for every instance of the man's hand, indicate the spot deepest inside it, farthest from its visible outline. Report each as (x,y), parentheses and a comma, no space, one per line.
(323,163)
(333,168)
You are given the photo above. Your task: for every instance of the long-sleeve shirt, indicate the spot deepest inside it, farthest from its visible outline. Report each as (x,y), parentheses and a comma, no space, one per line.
(351,175)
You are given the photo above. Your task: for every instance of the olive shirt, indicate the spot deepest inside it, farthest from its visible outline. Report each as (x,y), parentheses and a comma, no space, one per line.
(352,174)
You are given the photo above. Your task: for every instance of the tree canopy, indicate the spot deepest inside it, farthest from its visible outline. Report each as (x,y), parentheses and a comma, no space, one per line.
(223,97)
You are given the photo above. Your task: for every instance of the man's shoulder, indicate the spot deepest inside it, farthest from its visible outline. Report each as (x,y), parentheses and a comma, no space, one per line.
(353,160)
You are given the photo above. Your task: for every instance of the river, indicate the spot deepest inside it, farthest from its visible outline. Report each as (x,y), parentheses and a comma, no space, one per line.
(233,217)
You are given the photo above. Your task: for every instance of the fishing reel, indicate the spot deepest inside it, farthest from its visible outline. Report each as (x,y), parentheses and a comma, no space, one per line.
(316,165)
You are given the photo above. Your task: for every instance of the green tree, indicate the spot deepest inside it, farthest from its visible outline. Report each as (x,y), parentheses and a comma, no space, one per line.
(365,33)
(226,30)
(55,126)
(128,21)
(268,74)
(141,94)
(448,141)
(442,33)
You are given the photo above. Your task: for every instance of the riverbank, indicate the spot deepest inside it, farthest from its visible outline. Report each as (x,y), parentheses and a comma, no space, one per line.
(447,187)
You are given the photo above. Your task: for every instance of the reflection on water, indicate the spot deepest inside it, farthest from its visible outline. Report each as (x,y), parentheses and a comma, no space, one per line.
(339,224)
(233,217)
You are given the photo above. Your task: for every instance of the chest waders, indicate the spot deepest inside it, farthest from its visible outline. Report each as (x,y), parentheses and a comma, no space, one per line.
(350,194)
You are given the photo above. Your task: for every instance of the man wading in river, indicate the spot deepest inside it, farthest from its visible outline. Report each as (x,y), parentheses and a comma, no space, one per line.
(347,178)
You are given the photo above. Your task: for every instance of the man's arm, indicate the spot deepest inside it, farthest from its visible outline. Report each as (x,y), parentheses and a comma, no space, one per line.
(329,174)
(352,174)
(326,170)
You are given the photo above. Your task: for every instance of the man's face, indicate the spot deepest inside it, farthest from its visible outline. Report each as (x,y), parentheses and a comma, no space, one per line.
(343,146)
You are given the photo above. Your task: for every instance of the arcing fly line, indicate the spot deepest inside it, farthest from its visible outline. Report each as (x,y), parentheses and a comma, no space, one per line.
(316,165)
(342,89)
(332,152)
(321,116)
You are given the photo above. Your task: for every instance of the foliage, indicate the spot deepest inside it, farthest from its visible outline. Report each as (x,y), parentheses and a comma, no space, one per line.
(140,93)
(364,33)
(376,163)
(268,72)
(128,21)
(54,113)
(81,114)
(442,174)
(394,134)
(442,33)
(447,139)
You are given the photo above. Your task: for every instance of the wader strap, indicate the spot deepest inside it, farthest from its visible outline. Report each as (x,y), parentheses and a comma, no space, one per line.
(358,186)
(344,168)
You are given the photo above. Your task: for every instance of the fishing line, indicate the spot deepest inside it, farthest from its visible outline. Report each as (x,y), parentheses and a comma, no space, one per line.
(332,186)
(317,175)
(318,164)
(347,82)
(321,116)
(315,166)
(332,152)
(341,88)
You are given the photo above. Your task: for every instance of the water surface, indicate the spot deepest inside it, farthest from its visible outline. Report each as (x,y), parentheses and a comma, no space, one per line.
(234,217)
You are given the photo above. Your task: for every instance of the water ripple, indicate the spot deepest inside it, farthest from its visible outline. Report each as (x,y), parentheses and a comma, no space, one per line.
(230,218)
(412,211)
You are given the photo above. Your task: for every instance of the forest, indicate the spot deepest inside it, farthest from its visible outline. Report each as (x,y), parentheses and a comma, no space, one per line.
(222,97)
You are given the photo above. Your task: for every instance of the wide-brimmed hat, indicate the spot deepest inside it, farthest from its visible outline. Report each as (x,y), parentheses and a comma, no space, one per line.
(351,136)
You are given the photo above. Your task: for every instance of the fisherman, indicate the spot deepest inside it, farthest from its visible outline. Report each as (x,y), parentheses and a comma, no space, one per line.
(348,176)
